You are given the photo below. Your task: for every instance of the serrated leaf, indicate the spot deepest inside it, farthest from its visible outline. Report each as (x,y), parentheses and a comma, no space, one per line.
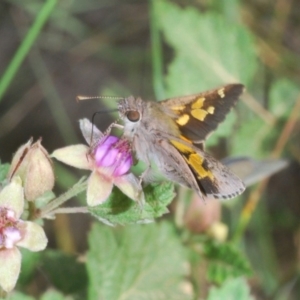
(224,261)
(3,171)
(119,209)
(136,262)
(232,289)
(72,276)
(209,51)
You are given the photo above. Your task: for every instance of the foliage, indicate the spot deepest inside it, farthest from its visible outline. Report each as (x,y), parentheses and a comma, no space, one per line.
(3,171)
(196,46)
(119,209)
(224,261)
(136,262)
(231,289)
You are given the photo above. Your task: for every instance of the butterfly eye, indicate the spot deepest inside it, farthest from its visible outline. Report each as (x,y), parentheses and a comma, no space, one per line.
(133,115)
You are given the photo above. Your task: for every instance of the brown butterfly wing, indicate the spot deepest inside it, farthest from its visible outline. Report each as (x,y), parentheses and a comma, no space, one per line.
(198,115)
(212,177)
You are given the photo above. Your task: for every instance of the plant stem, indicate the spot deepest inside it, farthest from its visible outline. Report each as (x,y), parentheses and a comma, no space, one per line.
(157,66)
(27,43)
(71,210)
(79,187)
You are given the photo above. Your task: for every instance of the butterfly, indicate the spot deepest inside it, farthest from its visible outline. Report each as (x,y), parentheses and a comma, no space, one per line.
(171,134)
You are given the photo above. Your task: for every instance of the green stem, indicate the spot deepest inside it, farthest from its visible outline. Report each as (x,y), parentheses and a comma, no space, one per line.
(27,43)
(157,65)
(79,187)
(71,210)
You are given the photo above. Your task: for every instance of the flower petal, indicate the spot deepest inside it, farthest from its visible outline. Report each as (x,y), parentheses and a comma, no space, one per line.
(99,188)
(12,235)
(75,156)
(10,266)
(90,132)
(110,158)
(105,153)
(124,165)
(130,186)
(12,197)
(34,237)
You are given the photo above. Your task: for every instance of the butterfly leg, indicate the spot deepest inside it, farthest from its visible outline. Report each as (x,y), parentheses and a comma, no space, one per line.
(111,126)
(145,174)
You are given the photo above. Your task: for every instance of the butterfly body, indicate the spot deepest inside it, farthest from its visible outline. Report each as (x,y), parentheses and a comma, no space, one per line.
(171,135)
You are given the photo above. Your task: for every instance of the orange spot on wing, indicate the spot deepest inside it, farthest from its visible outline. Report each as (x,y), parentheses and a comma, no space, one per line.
(221,92)
(178,107)
(196,161)
(198,103)
(182,147)
(183,119)
(199,114)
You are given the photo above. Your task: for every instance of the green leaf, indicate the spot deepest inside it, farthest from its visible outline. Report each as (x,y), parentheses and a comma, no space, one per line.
(54,295)
(256,138)
(248,139)
(19,296)
(64,271)
(209,51)
(30,260)
(119,209)
(229,9)
(283,95)
(136,262)
(3,171)
(232,289)
(224,261)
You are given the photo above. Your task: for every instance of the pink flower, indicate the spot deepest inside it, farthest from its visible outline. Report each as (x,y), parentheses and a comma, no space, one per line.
(15,232)
(109,158)
(112,155)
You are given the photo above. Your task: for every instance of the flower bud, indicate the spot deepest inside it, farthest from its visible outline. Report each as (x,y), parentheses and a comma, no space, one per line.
(32,163)
(200,216)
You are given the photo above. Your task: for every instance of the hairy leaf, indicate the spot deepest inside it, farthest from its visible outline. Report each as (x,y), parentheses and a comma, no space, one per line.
(119,209)
(225,261)
(136,262)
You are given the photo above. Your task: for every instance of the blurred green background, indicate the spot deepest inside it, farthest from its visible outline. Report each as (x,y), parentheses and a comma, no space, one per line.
(52,51)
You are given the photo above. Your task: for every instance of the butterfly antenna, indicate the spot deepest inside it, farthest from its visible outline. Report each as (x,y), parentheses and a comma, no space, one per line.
(81,97)
(103,111)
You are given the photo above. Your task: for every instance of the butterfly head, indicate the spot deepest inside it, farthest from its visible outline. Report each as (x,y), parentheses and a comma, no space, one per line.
(131,112)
